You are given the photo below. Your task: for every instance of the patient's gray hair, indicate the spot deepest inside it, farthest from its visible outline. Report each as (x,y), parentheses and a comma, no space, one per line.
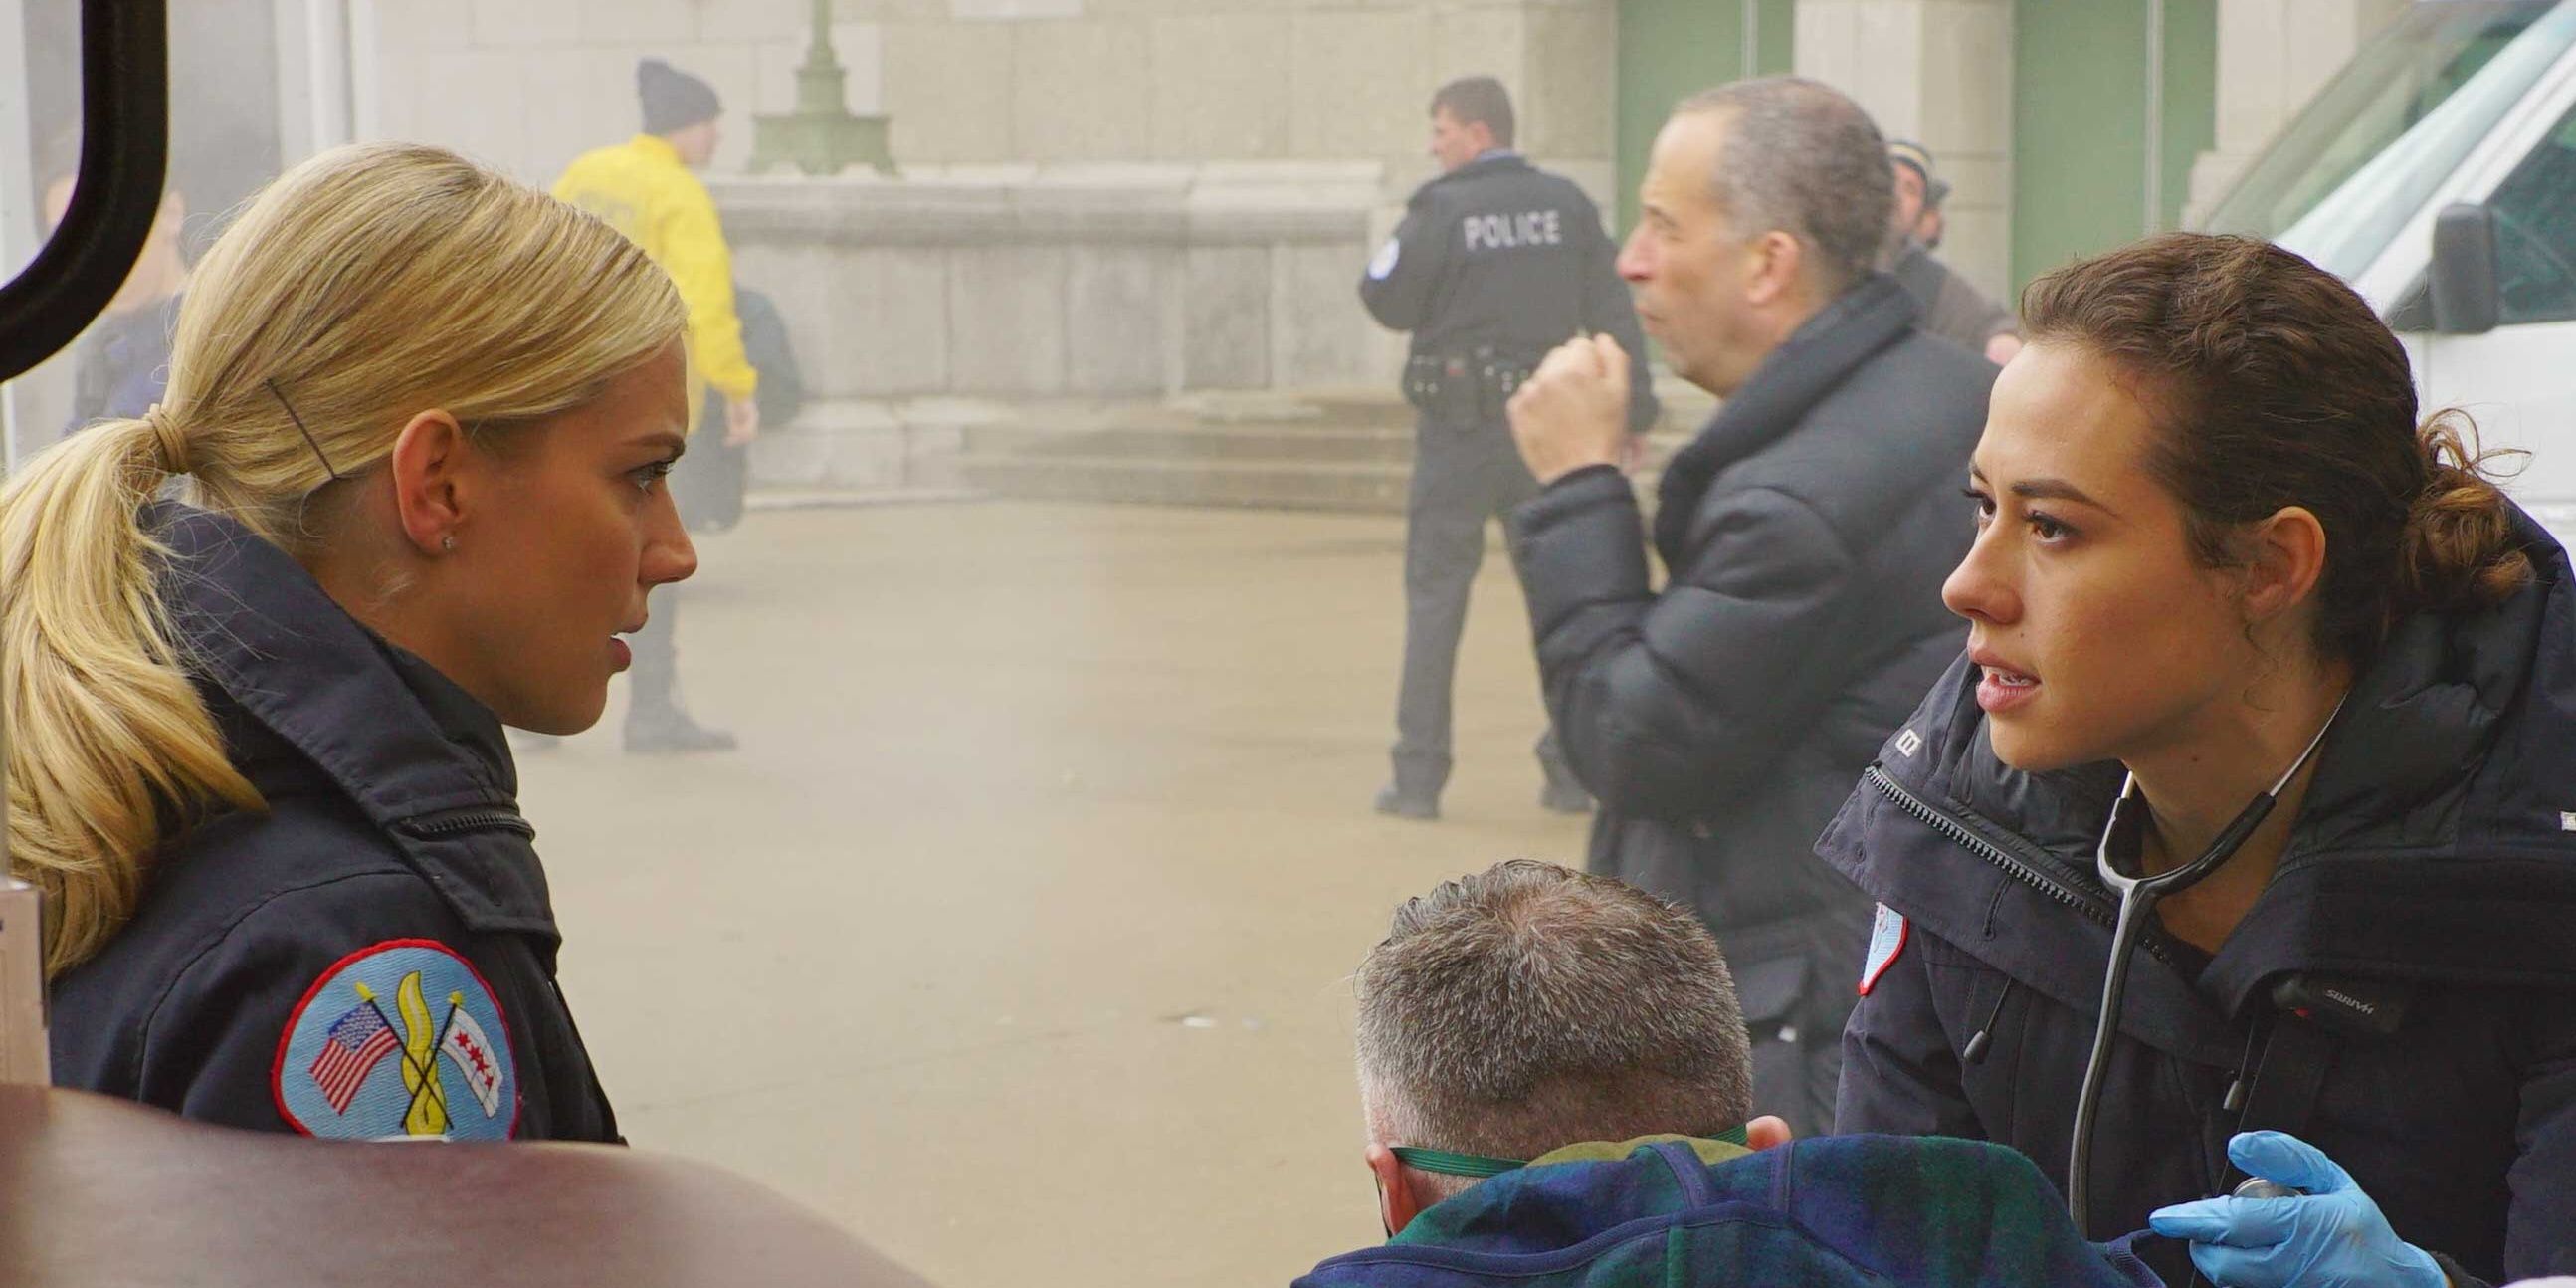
(1530,1007)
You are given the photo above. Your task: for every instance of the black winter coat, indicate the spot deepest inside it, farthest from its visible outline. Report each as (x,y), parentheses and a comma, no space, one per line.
(2436,848)
(1805,534)
(375,954)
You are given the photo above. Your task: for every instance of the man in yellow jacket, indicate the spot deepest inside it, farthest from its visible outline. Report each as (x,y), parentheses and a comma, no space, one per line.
(646,189)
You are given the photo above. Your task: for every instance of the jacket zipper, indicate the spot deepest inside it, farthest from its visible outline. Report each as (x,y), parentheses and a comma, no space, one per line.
(469,820)
(2027,872)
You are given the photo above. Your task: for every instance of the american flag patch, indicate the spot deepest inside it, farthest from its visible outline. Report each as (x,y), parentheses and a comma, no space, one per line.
(356,1042)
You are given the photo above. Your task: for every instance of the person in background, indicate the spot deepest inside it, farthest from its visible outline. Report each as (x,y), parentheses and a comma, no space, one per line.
(710,482)
(2226,583)
(122,362)
(1496,261)
(1532,1013)
(646,189)
(1804,534)
(1952,309)
(255,758)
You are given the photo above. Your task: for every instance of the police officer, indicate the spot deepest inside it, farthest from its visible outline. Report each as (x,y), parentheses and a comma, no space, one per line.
(2222,578)
(256,762)
(1495,263)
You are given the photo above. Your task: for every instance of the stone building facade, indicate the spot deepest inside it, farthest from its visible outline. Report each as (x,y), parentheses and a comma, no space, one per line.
(1133,198)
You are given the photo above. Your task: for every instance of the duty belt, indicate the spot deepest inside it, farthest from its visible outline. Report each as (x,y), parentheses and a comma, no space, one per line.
(1464,389)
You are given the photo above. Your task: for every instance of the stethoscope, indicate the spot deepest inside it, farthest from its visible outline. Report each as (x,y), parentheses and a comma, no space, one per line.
(2138,899)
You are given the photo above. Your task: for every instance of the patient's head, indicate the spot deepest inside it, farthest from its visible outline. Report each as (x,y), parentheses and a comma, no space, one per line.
(1529,1007)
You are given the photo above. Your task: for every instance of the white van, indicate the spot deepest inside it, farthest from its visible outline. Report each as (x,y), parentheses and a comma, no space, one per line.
(2437,174)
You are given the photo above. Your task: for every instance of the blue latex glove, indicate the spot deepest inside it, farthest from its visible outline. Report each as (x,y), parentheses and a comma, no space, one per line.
(2331,1237)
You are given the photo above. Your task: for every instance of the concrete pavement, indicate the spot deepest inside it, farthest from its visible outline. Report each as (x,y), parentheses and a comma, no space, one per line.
(1017,937)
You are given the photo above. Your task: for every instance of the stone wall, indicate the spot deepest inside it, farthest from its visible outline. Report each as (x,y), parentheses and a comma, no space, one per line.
(923,309)
(1146,281)
(1135,100)
(1097,196)
(1190,80)
(1938,72)
(528,84)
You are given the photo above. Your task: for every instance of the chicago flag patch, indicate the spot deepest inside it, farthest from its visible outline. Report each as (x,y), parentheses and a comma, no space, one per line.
(1886,941)
(398,1039)
(1384,262)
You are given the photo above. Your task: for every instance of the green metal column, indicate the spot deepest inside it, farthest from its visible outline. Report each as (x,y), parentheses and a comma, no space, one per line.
(2092,94)
(1670,49)
(2190,98)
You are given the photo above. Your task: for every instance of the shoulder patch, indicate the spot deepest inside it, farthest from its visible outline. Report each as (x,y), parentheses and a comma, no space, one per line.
(1886,943)
(1384,263)
(397,1040)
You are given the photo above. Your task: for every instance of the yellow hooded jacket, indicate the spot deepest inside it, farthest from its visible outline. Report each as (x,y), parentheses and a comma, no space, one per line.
(643,190)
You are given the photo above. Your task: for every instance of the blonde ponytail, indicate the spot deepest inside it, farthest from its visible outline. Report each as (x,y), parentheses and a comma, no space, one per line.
(368,284)
(106,736)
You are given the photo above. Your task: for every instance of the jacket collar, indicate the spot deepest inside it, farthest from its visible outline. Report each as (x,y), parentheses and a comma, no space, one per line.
(2437,841)
(1810,364)
(426,763)
(1572,1194)
(655,147)
(1495,162)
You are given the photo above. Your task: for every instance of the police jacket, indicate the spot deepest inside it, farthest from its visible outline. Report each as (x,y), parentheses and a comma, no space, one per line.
(1804,535)
(373,955)
(643,190)
(2434,859)
(1500,254)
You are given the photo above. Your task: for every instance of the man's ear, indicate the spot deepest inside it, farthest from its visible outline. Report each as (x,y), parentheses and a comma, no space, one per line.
(1766,1132)
(430,468)
(1778,260)
(1396,1204)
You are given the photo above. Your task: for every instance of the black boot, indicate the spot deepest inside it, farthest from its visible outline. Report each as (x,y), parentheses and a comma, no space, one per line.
(1564,793)
(1395,801)
(1564,796)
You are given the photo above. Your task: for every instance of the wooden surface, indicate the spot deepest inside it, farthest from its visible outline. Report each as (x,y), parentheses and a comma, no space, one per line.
(99,1191)
(22,982)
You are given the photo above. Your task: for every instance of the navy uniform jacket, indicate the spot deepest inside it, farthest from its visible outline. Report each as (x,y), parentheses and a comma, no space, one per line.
(374,956)
(1501,254)
(2436,850)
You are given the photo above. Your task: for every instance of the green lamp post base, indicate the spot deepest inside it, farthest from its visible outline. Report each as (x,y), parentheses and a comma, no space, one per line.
(822,136)
(820,144)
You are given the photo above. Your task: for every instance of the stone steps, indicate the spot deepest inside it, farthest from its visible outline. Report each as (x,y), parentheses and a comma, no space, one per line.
(1326,449)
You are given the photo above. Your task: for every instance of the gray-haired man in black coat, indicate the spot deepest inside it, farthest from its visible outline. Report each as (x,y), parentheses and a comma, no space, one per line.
(1804,534)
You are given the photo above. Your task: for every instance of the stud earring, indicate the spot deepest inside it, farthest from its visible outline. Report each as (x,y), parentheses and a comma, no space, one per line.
(448,543)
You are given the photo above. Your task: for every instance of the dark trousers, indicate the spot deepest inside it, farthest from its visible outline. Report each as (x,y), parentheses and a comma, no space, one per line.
(1794,981)
(655,676)
(1462,477)
(654,679)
